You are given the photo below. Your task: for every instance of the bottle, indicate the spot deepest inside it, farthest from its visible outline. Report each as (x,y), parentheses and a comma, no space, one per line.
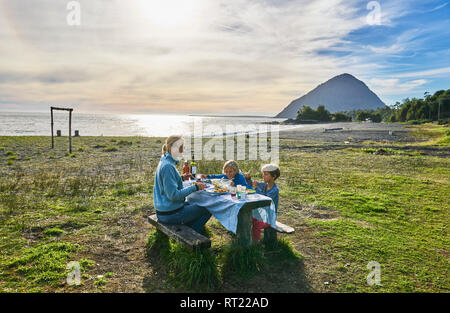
(186,167)
(193,167)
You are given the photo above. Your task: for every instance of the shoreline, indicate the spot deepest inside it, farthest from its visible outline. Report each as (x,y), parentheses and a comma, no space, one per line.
(306,132)
(240,116)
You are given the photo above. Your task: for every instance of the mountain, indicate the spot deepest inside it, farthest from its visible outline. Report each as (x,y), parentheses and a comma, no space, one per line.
(341,93)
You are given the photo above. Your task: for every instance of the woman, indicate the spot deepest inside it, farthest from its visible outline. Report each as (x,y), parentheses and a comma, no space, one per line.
(169,194)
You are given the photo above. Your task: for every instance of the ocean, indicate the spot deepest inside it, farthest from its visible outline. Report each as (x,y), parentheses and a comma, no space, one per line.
(151,125)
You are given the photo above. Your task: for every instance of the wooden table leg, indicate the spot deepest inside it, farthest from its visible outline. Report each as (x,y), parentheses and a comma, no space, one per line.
(270,235)
(244,227)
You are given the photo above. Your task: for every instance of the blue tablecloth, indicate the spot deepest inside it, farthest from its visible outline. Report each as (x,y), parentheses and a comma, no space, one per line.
(226,209)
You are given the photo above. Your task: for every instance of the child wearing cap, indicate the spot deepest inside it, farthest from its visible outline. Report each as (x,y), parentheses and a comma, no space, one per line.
(269,188)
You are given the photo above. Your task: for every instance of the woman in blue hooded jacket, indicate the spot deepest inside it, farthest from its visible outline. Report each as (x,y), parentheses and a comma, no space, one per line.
(169,196)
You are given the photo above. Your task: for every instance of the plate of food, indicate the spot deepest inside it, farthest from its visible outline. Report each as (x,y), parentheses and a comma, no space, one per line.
(250,191)
(217,191)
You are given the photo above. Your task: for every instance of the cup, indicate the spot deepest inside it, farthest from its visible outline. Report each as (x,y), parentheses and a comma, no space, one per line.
(239,191)
(243,192)
(233,191)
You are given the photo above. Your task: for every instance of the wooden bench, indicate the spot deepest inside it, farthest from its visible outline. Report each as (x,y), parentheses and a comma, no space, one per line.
(270,233)
(181,233)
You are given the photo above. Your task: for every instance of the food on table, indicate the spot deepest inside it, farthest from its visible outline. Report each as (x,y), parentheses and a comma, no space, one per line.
(220,190)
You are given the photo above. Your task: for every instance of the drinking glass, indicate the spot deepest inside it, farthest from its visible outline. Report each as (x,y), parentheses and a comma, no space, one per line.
(239,191)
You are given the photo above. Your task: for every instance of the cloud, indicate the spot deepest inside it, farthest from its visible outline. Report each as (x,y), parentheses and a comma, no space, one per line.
(395,86)
(427,73)
(218,55)
(437,8)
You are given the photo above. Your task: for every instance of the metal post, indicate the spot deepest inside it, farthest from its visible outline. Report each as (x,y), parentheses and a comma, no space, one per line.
(70,126)
(51,113)
(439,109)
(70,131)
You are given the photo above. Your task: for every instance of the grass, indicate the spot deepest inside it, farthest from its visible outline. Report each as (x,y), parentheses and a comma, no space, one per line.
(204,270)
(54,232)
(189,269)
(41,265)
(349,207)
(243,262)
(431,134)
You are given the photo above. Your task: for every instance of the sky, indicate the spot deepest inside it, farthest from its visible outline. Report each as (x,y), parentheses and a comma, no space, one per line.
(214,56)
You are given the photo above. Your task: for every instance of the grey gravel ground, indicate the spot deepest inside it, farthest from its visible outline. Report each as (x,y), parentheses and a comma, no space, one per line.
(355,132)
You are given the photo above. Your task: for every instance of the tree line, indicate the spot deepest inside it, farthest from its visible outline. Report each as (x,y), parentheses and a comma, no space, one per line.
(429,108)
(307,114)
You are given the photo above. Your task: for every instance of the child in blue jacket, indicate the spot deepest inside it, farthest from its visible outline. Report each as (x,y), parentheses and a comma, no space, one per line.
(231,171)
(269,188)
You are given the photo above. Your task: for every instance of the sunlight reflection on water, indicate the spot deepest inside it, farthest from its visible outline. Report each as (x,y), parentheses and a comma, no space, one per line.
(38,124)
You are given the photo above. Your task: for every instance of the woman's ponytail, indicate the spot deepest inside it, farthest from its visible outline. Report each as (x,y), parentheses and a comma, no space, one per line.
(169,142)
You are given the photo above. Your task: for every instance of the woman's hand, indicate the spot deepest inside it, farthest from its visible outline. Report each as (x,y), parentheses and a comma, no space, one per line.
(187,176)
(255,184)
(201,186)
(232,183)
(203,176)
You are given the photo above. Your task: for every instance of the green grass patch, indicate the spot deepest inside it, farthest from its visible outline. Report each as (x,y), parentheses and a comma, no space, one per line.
(54,232)
(44,264)
(203,270)
(98,146)
(125,143)
(195,269)
(111,149)
(244,262)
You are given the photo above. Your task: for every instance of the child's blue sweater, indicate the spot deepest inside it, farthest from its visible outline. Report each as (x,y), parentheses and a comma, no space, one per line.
(238,179)
(272,193)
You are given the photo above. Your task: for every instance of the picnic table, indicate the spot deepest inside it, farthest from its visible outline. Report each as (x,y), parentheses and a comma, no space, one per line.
(234,214)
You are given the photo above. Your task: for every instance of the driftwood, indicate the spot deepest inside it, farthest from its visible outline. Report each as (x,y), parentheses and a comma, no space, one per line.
(332,129)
